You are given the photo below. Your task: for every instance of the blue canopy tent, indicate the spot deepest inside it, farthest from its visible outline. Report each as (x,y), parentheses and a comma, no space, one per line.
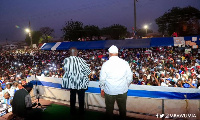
(129,43)
(64,46)
(82,45)
(165,41)
(47,46)
(103,44)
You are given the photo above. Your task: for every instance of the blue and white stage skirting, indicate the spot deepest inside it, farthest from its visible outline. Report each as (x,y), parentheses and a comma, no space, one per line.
(145,91)
(141,98)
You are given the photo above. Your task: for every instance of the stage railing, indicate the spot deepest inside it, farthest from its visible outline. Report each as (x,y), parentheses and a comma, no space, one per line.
(143,101)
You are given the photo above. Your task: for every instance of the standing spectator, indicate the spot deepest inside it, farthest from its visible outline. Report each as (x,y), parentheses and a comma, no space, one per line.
(115,78)
(19,86)
(76,79)
(175,34)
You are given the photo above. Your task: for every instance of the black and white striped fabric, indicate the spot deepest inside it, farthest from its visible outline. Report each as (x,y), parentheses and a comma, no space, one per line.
(76,73)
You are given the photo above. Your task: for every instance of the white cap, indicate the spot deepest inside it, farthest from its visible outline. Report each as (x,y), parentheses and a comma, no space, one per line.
(113,49)
(7,83)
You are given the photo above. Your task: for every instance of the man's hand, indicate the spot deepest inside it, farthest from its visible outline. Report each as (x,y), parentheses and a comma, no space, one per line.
(102,94)
(34,104)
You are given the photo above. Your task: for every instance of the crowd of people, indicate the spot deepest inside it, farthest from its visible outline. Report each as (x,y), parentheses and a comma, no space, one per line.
(164,66)
(159,66)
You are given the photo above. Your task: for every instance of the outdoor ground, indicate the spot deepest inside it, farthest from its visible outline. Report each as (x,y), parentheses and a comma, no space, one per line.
(59,111)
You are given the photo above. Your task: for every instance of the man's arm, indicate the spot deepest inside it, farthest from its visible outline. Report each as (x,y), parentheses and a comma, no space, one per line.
(191,86)
(85,67)
(102,80)
(129,74)
(156,79)
(102,77)
(28,101)
(64,63)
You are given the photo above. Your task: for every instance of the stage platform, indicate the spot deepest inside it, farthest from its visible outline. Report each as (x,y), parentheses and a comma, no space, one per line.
(60,111)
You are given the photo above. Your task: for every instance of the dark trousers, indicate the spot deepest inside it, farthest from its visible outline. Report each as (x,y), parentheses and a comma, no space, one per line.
(81,100)
(121,102)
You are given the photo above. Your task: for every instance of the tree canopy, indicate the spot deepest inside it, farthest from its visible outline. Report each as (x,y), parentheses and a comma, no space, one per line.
(74,30)
(46,34)
(115,31)
(184,21)
(91,30)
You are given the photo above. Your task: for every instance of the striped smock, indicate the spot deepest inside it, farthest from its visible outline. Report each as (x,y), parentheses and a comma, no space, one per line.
(76,73)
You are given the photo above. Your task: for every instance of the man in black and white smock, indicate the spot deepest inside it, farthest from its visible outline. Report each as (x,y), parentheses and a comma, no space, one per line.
(76,79)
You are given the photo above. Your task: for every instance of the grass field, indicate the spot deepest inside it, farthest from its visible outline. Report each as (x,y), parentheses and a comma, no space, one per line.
(59,112)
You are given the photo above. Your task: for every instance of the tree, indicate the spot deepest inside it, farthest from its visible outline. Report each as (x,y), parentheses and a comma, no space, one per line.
(36,35)
(73,30)
(41,40)
(115,31)
(185,21)
(91,30)
(46,33)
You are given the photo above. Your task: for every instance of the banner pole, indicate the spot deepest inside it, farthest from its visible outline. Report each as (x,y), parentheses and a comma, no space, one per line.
(163,111)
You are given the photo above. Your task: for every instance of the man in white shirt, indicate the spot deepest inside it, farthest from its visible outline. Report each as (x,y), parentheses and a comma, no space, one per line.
(115,78)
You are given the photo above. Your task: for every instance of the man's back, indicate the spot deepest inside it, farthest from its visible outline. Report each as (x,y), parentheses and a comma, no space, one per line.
(116,75)
(115,78)
(76,73)
(18,104)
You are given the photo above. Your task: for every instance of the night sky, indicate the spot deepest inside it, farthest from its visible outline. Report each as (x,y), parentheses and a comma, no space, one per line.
(16,14)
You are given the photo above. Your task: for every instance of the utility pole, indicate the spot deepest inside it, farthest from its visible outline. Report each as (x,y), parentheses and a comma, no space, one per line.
(135,29)
(6,41)
(30,34)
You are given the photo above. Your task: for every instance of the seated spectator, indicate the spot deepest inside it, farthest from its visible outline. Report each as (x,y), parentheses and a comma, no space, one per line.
(8,89)
(22,104)
(7,99)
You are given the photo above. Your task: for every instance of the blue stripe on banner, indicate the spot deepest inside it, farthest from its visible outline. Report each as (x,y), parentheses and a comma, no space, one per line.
(48,84)
(154,94)
(93,90)
(133,93)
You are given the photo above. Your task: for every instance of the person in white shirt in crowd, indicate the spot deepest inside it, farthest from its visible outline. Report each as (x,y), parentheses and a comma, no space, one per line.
(8,89)
(1,94)
(115,78)
(177,77)
(14,86)
(7,99)
(163,83)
